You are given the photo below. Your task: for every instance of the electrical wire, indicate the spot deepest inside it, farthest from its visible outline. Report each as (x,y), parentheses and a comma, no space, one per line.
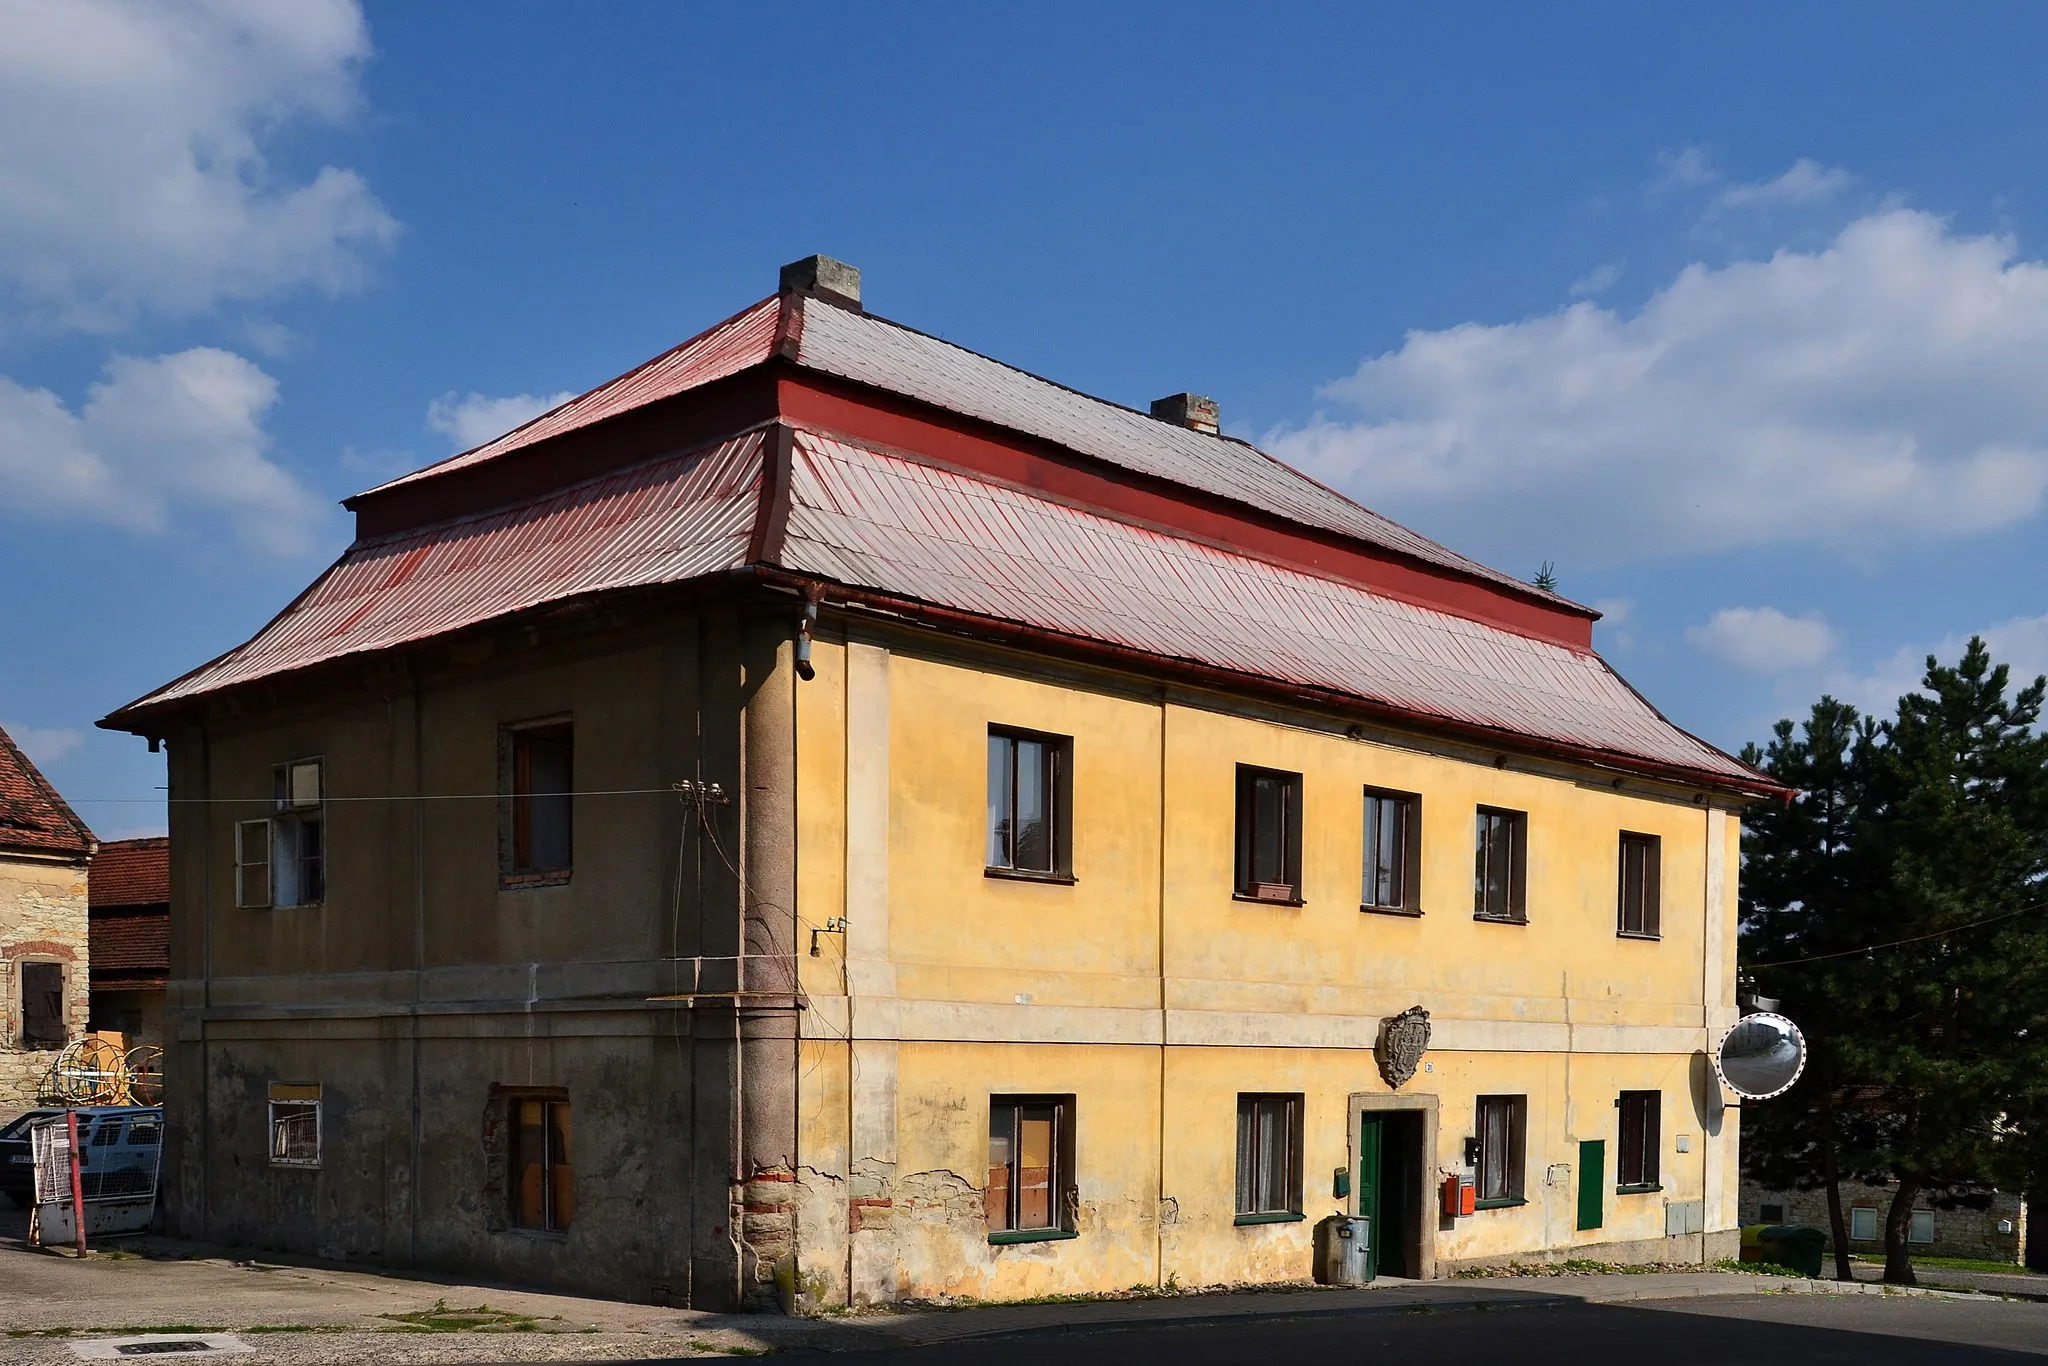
(397,797)
(1899,943)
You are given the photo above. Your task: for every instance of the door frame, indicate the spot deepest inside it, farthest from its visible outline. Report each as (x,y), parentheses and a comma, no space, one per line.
(1361,1104)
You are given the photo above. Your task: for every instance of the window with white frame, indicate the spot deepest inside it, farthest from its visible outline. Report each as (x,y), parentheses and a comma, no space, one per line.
(294,1124)
(282,860)
(1863,1224)
(1920,1226)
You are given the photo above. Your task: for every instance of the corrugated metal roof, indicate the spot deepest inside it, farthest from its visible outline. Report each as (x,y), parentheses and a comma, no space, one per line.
(663,522)
(739,342)
(910,530)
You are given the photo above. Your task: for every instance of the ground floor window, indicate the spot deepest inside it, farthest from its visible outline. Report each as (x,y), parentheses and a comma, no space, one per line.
(1030,1164)
(42,1006)
(1501,1120)
(294,1124)
(1771,1214)
(1268,1155)
(1641,1120)
(543,1184)
(1920,1226)
(1863,1224)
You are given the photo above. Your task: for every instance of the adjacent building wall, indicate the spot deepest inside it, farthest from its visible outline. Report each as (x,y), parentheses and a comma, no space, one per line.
(1990,1225)
(42,920)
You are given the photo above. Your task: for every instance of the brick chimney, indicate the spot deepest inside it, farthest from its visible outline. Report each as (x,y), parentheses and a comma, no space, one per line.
(1196,412)
(823,278)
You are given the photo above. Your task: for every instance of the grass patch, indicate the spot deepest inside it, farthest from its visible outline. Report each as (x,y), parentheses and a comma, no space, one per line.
(724,1350)
(442,1319)
(1574,1266)
(297,1328)
(1757,1268)
(165,1328)
(40,1332)
(1962,1264)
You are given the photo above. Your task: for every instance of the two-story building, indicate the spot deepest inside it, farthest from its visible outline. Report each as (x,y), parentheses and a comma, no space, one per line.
(829,810)
(45,850)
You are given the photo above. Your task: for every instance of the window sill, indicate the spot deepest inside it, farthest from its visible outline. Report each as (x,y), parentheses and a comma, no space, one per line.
(285,1165)
(1004,1237)
(1641,1189)
(519,882)
(1278,1216)
(545,1235)
(1637,934)
(1501,919)
(1027,875)
(1267,900)
(1405,912)
(1510,1202)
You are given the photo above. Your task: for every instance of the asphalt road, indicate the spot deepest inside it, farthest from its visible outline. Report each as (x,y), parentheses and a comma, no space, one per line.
(1795,1330)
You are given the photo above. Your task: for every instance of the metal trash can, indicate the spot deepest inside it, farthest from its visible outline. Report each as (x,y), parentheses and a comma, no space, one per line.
(1343,1245)
(1788,1245)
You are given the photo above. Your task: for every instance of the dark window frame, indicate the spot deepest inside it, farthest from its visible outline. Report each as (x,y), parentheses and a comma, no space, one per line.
(1489,823)
(1639,1117)
(1253,1205)
(1000,854)
(1252,833)
(1506,1140)
(1011,1112)
(519,864)
(293,1115)
(58,1033)
(1639,905)
(551,1220)
(1408,840)
(293,838)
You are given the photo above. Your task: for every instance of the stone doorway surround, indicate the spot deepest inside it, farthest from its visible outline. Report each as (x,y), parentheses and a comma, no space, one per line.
(1363,1103)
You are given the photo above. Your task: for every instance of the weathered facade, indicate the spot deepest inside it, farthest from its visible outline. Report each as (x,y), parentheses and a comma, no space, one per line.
(129,897)
(1989,1225)
(827,815)
(44,851)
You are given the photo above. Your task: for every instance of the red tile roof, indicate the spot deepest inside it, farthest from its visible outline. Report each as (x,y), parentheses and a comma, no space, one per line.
(130,950)
(128,873)
(33,817)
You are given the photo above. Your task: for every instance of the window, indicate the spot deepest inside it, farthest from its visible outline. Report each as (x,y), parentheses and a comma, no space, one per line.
(1771,1214)
(1498,861)
(1027,802)
(1268,1157)
(1500,1148)
(1863,1224)
(1920,1226)
(294,1124)
(42,1006)
(543,1181)
(540,762)
(1641,1118)
(1030,1167)
(1641,884)
(282,861)
(1268,834)
(1392,836)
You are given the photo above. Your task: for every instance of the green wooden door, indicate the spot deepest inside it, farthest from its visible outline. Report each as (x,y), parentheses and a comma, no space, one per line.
(1371,1143)
(1592,1182)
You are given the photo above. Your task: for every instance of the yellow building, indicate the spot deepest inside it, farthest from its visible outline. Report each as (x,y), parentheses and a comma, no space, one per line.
(944,835)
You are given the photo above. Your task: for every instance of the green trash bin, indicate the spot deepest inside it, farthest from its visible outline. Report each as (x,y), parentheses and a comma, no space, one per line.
(1791,1245)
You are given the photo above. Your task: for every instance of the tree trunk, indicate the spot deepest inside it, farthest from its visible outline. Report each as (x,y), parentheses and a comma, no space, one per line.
(1838,1231)
(1898,1266)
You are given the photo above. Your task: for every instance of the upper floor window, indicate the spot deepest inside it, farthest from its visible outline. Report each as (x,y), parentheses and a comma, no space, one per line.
(42,1005)
(1641,1119)
(1268,1155)
(1498,865)
(1392,839)
(282,860)
(1028,793)
(1641,876)
(1268,834)
(539,763)
(1501,1120)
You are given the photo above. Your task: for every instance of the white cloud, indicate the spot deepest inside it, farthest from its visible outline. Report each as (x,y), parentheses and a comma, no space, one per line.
(1614,615)
(1882,389)
(136,174)
(1598,280)
(156,433)
(1763,640)
(45,746)
(2021,642)
(469,420)
(1807,182)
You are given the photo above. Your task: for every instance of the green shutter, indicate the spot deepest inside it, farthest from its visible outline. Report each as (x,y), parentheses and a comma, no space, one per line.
(1369,1135)
(1592,1182)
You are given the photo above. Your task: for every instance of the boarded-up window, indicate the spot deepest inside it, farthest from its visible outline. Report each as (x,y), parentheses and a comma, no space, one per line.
(1030,1147)
(1392,836)
(1641,873)
(42,1005)
(1268,834)
(543,1184)
(541,760)
(1498,865)
(1500,1122)
(1641,1120)
(1268,1154)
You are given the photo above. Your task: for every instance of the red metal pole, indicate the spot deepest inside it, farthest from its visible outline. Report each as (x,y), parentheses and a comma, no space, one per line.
(77,1184)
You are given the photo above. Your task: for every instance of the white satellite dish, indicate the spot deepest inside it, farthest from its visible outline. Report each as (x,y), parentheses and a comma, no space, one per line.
(1761,1056)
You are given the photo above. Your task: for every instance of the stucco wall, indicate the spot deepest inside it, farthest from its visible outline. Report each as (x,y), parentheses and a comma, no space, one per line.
(42,919)
(1150,994)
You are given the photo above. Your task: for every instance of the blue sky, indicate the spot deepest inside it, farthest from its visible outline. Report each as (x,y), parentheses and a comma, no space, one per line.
(1735,313)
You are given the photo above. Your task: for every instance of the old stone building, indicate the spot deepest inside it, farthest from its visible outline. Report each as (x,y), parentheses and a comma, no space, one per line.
(44,852)
(830,815)
(130,902)
(1991,1225)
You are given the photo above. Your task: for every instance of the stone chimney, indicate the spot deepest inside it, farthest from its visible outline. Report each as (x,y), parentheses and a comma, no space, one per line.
(823,278)
(1196,412)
